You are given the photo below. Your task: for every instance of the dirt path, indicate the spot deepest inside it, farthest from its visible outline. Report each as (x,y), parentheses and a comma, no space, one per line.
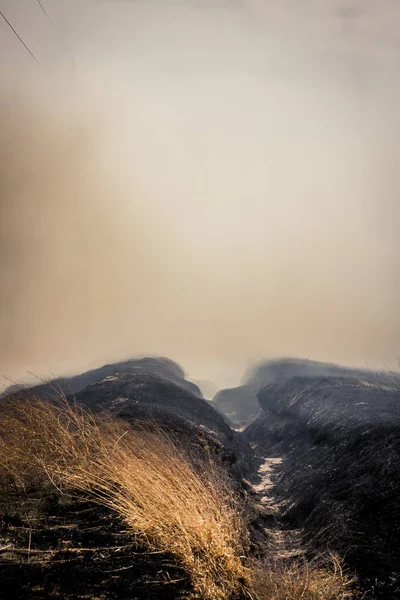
(287,542)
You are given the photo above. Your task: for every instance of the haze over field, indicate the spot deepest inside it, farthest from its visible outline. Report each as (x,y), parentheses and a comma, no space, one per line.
(213,182)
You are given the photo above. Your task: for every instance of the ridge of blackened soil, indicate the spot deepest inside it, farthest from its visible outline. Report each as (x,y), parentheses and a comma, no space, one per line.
(241,404)
(339,481)
(145,397)
(161,367)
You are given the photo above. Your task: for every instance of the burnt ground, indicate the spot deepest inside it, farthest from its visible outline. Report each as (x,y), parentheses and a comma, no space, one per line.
(339,484)
(57,546)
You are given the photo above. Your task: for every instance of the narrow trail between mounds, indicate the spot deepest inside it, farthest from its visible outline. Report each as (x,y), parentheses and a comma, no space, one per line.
(287,541)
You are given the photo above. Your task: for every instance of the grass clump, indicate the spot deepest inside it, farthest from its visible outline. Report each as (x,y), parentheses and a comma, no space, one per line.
(300,580)
(140,473)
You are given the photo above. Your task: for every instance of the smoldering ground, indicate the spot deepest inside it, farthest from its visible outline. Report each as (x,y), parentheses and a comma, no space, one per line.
(246,212)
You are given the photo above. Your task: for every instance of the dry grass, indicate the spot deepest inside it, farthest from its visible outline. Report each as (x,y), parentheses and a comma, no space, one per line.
(142,475)
(150,481)
(303,581)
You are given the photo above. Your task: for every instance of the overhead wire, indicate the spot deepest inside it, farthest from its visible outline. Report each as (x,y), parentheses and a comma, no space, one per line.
(45,13)
(22,41)
(55,30)
(19,37)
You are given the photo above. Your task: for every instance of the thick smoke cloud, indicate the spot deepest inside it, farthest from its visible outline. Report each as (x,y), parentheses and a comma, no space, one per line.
(207,187)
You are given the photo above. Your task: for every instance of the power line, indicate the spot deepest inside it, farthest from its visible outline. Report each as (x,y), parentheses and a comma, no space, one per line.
(20,39)
(55,30)
(45,13)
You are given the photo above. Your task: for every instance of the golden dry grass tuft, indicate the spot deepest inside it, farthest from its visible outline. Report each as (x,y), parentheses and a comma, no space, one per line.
(142,475)
(303,581)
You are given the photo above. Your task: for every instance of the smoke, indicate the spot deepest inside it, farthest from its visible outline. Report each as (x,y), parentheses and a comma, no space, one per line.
(209,188)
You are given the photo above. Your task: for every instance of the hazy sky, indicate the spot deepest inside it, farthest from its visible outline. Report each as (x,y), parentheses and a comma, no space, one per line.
(212,181)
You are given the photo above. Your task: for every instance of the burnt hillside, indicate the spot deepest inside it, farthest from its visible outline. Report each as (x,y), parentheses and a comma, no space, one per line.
(146,397)
(339,483)
(160,366)
(241,404)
